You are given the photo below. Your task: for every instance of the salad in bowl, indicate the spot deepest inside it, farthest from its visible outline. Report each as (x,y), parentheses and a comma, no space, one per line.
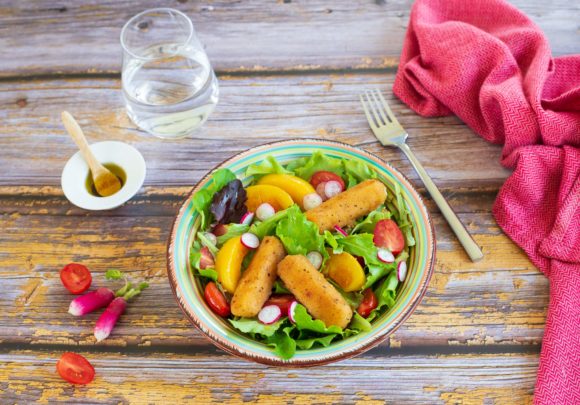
(303,255)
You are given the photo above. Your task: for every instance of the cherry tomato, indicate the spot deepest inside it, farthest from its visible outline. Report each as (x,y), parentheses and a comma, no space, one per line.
(388,235)
(206,258)
(76,278)
(75,369)
(368,303)
(283,301)
(220,229)
(216,300)
(323,176)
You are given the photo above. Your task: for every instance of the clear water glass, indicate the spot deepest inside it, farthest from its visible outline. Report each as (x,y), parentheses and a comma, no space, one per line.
(169,86)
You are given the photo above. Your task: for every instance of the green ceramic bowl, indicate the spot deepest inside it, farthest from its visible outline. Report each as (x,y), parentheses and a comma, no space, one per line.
(189,294)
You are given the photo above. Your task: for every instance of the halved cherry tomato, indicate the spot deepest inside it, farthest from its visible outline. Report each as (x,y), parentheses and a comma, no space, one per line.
(323,176)
(75,369)
(368,303)
(388,235)
(216,300)
(206,258)
(76,278)
(282,301)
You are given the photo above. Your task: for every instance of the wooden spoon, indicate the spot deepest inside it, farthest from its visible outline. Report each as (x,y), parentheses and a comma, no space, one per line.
(106,183)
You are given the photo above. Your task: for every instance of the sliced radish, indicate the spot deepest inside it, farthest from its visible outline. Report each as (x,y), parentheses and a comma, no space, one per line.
(340,230)
(315,258)
(311,200)
(402,271)
(265,211)
(250,240)
(247,218)
(385,255)
(332,188)
(320,191)
(211,237)
(269,314)
(291,311)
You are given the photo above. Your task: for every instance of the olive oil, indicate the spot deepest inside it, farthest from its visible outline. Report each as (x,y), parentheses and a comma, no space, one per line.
(116,170)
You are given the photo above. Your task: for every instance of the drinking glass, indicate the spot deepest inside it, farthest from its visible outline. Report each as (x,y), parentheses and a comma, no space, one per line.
(169,86)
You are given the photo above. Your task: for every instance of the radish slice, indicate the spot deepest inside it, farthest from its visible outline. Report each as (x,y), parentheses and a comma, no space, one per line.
(247,218)
(250,240)
(211,237)
(269,314)
(265,211)
(385,255)
(291,310)
(311,200)
(315,258)
(402,271)
(340,230)
(320,191)
(332,188)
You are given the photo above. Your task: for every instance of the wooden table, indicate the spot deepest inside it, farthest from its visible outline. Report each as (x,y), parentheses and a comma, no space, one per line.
(287,69)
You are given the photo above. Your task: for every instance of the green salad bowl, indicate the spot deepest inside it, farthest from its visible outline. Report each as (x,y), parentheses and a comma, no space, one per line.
(189,294)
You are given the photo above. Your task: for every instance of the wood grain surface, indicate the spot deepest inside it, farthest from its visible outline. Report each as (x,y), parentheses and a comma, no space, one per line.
(287,69)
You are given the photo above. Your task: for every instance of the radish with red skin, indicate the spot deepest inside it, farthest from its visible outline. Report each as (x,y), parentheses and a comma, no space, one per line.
(282,301)
(311,201)
(250,240)
(320,191)
(269,314)
(291,311)
(388,235)
(247,218)
(340,230)
(315,258)
(402,271)
(332,188)
(206,260)
(385,256)
(211,237)
(91,301)
(265,211)
(323,176)
(109,318)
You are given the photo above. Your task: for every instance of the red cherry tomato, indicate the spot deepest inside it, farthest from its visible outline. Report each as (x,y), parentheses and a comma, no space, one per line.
(76,278)
(75,369)
(388,235)
(368,303)
(283,301)
(206,258)
(323,176)
(216,300)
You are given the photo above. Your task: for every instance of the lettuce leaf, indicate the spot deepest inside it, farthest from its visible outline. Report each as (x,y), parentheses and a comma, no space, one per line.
(306,167)
(233,230)
(268,166)
(299,235)
(255,327)
(360,245)
(284,345)
(404,217)
(359,323)
(367,225)
(194,259)
(386,294)
(304,322)
(357,171)
(268,227)
(206,242)
(305,344)
(202,199)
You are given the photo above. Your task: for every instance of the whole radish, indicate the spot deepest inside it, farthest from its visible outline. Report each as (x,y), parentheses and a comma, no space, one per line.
(90,302)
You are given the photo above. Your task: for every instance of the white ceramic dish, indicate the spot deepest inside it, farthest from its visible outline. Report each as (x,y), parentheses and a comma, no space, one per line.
(76,170)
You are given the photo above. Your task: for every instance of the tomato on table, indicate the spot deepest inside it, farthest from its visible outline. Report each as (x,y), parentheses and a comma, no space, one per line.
(368,303)
(388,235)
(282,301)
(216,300)
(324,176)
(76,278)
(75,369)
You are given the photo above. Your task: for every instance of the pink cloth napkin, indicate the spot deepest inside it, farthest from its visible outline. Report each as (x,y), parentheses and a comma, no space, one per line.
(487,63)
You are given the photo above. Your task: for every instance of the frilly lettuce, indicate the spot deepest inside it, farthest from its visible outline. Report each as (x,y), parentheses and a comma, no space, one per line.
(202,199)
(299,235)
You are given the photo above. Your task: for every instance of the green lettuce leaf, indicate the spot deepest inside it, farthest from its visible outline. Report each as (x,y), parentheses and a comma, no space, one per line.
(280,288)
(404,217)
(268,166)
(202,199)
(255,327)
(284,345)
(386,294)
(360,245)
(206,242)
(367,225)
(318,161)
(299,235)
(268,227)
(306,344)
(357,171)
(359,323)
(194,258)
(304,322)
(233,230)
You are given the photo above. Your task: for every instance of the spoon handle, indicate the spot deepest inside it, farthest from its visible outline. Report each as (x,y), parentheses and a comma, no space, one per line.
(473,251)
(76,133)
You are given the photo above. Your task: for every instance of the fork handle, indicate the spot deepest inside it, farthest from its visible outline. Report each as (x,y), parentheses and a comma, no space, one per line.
(473,251)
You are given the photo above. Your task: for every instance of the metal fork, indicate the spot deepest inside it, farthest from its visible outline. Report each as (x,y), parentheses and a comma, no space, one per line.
(389,132)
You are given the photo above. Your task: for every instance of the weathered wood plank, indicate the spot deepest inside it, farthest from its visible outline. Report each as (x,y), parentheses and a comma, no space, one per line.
(254,110)
(500,300)
(500,379)
(48,37)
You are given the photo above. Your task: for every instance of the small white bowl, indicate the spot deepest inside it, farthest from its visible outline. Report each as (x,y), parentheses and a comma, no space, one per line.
(76,170)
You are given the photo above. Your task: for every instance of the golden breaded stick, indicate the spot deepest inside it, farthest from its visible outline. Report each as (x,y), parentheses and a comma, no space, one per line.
(313,291)
(256,283)
(344,208)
